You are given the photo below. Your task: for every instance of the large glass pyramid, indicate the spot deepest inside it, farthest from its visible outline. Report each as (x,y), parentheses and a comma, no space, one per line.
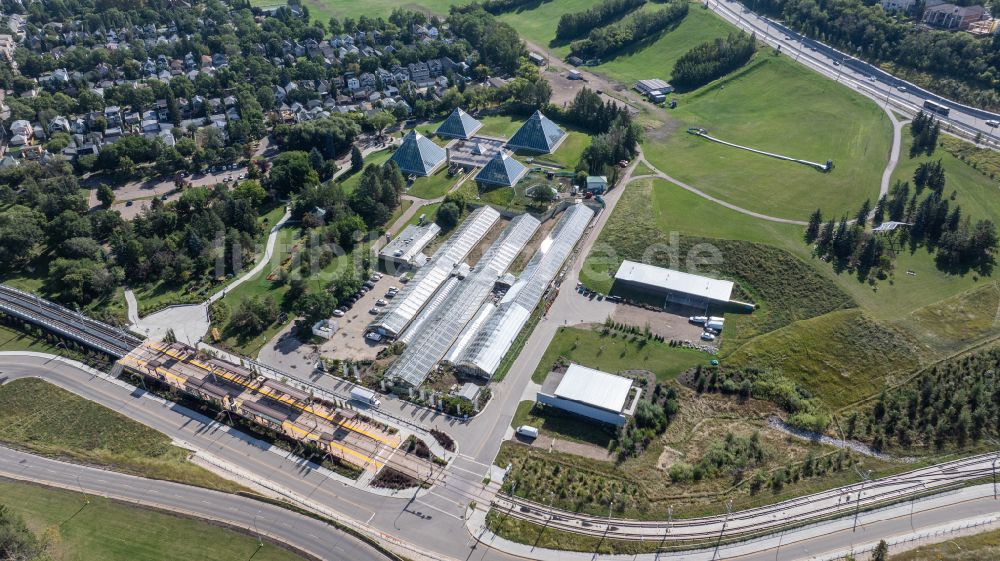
(458,125)
(418,155)
(537,134)
(502,171)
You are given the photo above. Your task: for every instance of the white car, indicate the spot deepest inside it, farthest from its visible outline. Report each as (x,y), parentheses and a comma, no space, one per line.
(381,302)
(373,336)
(901,88)
(993,123)
(706,336)
(374,311)
(338,313)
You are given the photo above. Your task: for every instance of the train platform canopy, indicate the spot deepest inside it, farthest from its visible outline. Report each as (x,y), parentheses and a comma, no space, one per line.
(537,134)
(418,155)
(501,171)
(459,125)
(676,286)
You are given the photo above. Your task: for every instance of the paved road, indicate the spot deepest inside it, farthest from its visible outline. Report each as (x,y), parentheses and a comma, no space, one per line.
(308,535)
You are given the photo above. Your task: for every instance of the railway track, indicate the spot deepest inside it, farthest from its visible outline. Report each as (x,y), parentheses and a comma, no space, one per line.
(73,325)
(842,501)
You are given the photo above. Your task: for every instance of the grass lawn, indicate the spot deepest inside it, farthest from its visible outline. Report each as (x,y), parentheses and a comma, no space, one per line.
(569,152)
(350,181)
(427,129)
(106,530)
(950,325)
(500,126)
(552,422)
(51,421)
(656,59)
(433,186)
(614,354)
(430,209)
(775,105)
(538,24)
(14,340)
(842,357)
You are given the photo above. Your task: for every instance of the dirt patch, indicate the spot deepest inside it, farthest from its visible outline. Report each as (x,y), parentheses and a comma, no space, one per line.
(668,457)
(591,451)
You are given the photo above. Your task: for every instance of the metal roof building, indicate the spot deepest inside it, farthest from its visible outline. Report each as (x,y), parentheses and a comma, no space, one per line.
(480,351)
(537,134)
(675,286)
(589,393)
(434,333)
(418,155)
(501,171)
(409,243)
(405,306)
(458,125)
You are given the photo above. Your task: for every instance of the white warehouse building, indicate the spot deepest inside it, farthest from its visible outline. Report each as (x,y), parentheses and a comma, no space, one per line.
(405,249)
(590,393)
(675,287)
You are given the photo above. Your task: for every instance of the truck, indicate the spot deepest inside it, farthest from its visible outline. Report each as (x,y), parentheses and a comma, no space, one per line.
(366,396)
(716,325)
(527,431)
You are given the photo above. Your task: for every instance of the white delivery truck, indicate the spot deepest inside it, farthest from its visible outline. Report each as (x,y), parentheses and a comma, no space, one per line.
(366,396)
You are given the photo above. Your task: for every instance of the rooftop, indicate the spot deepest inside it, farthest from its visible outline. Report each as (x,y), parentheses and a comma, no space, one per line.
(676,281)
(594,387)
(410,242)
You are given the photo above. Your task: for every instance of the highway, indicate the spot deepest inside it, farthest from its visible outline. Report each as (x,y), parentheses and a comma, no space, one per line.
(884,88)
(308,535)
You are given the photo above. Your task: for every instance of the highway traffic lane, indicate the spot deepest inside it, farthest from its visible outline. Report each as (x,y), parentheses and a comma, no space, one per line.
(301,532)
(392,515)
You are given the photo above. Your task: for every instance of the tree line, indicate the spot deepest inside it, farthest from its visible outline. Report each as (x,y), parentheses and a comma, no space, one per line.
(713,59)
(575,24)
(925,130)
(634,27)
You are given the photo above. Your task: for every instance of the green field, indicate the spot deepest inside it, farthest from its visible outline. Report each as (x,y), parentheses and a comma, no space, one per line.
(434,186)
(965,319)
(106,530)
(569,152)
(538,24)
(325,9)
(14,340)
(350,182)
(842,356)
(775,105)
(615,353)
(51,421)
(500,126)
(657,59)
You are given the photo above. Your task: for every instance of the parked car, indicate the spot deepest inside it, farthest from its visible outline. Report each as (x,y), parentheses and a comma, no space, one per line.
(405,278)
(374,311)
(373,336)
(381,302)
(706,336)
(527,431)
(338,313)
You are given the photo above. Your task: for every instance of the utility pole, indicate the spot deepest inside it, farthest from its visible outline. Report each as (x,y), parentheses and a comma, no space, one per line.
(86,498)
(857,510)
(260,542)
(670,517)
(729,510)
(995,460)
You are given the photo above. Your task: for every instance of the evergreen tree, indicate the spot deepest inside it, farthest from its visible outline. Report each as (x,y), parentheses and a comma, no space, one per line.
(812,230)
(862,216)
(879,214)
(357,160)
(881,552)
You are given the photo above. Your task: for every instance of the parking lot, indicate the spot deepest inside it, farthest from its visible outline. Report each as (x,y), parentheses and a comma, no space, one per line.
(349,341)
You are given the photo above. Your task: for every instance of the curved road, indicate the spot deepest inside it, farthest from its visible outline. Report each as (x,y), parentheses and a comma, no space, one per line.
(308,535)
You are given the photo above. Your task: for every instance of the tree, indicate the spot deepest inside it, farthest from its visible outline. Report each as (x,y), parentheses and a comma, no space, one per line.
(447,216)
(862,216)
(106,195)
(357,160)
(812,230)
(20,231)
(291,172)
(881,551)
(381,121)
(253,316)
(17,543)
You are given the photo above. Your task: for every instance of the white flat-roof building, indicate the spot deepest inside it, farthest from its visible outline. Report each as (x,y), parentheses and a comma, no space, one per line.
(674,286)
(408,244)
(590,393)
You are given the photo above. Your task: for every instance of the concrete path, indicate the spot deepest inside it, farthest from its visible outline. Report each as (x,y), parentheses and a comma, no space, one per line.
(897,144)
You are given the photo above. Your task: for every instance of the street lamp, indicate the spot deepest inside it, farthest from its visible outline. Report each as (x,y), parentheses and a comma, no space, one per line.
(995,460)
(260,542)
(670,518)
(864,479)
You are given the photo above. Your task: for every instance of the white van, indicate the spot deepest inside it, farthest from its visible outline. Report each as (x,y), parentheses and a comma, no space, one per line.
(527,431)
